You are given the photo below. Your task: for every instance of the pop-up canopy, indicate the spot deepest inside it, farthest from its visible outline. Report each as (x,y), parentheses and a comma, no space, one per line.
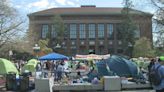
(54,56)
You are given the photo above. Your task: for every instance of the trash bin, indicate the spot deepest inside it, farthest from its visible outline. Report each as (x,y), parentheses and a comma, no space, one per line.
(11,83)
(24,83)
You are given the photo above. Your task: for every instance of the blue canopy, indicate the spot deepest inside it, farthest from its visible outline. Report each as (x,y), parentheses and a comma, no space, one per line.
(53,56)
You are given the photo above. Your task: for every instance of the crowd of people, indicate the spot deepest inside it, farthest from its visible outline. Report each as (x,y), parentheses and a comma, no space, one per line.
(61,69)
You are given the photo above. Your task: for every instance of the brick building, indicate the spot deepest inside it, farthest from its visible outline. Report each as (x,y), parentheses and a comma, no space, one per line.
(89,28)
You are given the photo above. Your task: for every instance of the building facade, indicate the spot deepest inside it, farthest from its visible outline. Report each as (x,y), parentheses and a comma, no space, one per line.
(89,28)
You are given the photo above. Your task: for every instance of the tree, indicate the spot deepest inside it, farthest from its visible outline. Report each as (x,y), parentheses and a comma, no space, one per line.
(127,27)
(143,48)
(159,5)
(59,29)
(44,46)
(10,23)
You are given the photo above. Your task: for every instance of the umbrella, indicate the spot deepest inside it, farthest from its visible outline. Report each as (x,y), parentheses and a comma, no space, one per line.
(6,67)
(30,67)
(53,56)
(122,67)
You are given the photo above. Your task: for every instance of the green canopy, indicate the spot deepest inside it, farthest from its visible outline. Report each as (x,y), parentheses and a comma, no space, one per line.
(6,67)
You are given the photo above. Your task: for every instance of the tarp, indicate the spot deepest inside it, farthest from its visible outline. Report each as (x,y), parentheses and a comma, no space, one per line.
(54,56)
(122,67)
(6,67)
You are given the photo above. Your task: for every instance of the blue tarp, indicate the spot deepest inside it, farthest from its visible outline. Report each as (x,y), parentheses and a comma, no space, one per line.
(53,56)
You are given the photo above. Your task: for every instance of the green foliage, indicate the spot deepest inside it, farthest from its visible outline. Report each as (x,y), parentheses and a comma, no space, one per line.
(59,28)
(44,46)
(126,31)
(143,48)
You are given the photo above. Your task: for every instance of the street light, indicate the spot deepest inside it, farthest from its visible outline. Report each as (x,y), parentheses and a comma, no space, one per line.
(130,49)
(10,54)
(36,49)
(57,47)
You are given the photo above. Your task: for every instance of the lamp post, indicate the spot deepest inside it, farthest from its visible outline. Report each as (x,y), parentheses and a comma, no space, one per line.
(36,49)
(57,47)
(10,54)
(130,46)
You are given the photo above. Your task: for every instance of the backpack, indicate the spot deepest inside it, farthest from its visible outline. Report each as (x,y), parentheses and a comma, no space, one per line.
(154,76)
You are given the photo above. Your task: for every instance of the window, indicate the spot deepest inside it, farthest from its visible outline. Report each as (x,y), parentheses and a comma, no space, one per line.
(137,32)
(82,31)
(44,31)
(101,30)
(119,32)
(66,31)
(73,30)
(92,30)
(110,32)
(53,32)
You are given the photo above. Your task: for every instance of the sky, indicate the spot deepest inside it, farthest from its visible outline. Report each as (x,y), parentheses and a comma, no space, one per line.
(29,6)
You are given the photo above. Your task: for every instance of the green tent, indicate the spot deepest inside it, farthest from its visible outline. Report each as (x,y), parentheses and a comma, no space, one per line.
(6,67)
(33,61)
(31,65)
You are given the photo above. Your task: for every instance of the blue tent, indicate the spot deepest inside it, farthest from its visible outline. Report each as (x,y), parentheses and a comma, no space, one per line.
(53,56)
(122,66)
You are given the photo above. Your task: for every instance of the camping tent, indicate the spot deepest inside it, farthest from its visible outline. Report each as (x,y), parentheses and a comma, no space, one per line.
(53,56)
(31,65)
(122,67)
(6,67)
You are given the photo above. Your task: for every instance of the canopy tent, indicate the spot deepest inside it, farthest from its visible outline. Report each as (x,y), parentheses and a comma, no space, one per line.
(122,67)
(53,56)
(92,57)
(6,67)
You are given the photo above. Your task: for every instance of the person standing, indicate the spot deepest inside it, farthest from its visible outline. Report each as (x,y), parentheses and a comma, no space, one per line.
(60,70)
(159,68)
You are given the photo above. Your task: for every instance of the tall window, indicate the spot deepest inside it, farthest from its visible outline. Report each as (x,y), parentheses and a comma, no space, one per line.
(101,30)
(137,32)
(119,32)
(53,32)
(82,31)
(73,30)
(44,31)
(66,30)
(92,30)
(110,32)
